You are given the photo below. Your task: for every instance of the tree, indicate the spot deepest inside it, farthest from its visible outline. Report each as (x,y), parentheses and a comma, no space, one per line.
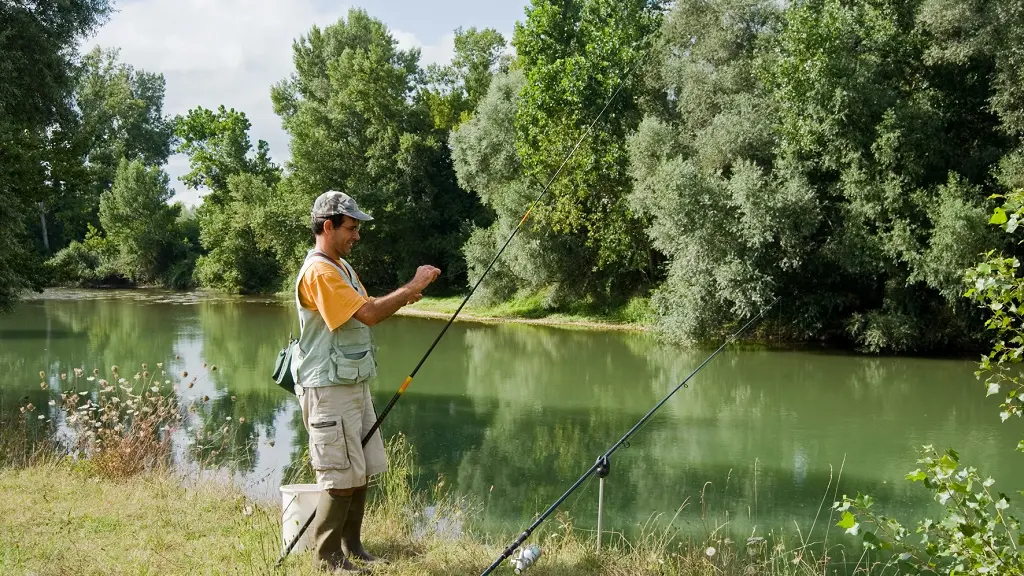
(37,40)
(355,127)
(137,221)
(218,147)
(241,184)
(454,90)
(575,56)
(120,116)
(820,153)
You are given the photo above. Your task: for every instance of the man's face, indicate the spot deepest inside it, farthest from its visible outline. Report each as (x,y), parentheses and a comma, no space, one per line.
(344,237)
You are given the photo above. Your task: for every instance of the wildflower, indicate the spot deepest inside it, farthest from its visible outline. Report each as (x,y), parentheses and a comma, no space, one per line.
(42,374)
(710,551)
(213,368)
(42,385)
(53,402)
(241,420)
(232,398)
(138,375)
(225,430)
(63,375)
(30,407)
(191,384)
(145,366)
(155,388)
(95,371)
(145,374)
(184,374)
(90,378)
(167,381)
(159,364)
(113,369)
(206,398)
(78,372)
(271,443)
(229,418)
(41,416)
(177,357)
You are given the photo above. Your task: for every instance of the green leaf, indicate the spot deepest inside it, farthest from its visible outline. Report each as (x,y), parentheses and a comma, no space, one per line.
(998,217)
(848,521)
(918,475)
(1020,446)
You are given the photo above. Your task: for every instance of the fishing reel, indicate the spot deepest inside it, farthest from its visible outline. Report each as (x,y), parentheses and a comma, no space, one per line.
(525,558)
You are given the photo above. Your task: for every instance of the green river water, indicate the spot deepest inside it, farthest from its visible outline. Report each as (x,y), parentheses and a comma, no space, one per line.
(511,415)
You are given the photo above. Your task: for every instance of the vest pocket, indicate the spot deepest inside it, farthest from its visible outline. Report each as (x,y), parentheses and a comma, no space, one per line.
(328,447)
(344,370)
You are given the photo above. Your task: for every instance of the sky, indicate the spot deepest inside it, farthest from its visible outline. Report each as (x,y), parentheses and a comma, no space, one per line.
(230,52)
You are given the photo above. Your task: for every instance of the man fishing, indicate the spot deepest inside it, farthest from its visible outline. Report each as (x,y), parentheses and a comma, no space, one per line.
(335,362)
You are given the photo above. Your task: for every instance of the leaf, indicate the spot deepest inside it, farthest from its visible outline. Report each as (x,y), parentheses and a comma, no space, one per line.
(1002,504)
(848,521)
(998,217)
(993,388)
(918,475)
(1020,446)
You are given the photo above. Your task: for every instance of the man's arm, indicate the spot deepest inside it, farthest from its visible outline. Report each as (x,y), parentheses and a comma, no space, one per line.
(377,309)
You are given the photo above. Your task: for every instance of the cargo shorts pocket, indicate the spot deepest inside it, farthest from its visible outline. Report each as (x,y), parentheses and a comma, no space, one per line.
(328,447)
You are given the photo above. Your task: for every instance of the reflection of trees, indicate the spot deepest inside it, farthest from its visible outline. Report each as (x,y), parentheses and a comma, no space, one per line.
(242,340)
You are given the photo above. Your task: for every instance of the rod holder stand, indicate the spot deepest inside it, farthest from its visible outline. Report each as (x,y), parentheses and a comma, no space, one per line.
(604,466)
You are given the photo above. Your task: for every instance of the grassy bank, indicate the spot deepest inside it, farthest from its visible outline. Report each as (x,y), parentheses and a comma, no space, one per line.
(61,517)
(531,308)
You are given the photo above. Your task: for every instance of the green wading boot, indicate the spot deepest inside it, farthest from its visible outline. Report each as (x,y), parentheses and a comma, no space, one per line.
(331,516)
(351,541)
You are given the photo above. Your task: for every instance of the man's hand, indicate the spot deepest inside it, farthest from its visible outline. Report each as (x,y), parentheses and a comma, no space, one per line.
(380,308)
(425,275)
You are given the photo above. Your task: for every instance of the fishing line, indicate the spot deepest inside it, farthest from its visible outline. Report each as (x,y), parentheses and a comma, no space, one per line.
(534,204)
(602,461)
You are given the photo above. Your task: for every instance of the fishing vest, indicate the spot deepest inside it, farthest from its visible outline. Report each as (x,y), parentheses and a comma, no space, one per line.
(324,357)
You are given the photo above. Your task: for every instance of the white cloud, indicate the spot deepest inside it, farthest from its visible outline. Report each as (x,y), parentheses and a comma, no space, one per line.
(228,52)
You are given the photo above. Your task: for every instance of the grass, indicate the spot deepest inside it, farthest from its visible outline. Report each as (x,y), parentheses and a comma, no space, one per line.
(636,314)
(60,516)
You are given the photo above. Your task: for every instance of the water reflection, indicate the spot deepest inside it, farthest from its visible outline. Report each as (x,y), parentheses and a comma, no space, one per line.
(511,415)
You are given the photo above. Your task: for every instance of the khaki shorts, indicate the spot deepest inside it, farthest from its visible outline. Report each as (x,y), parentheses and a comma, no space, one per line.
(336,418)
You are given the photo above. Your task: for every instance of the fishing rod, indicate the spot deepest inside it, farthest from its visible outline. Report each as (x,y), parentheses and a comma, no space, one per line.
(602,464)
(536,201)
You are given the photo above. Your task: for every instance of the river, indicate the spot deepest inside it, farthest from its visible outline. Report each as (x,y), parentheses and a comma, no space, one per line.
(511,415)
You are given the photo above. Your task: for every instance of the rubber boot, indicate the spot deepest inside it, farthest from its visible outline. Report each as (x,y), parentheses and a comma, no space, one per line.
(331,515)
(351,540)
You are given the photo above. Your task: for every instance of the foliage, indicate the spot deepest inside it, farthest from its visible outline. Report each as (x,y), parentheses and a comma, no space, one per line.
(853,164)
(241,188)
(356,126)
(977,534)
(454,90)
(138,222)
(38,41)
(218,147)
(576,56)
(233,261)
(119,116)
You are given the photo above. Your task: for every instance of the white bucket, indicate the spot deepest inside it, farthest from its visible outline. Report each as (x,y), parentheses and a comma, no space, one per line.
(298,502)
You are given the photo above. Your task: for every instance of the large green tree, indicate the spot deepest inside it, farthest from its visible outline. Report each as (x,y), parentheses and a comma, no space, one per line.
(240,184)
(356,126)
(119,116)
(836,154)
(140,226)
(38,40)
(576,55)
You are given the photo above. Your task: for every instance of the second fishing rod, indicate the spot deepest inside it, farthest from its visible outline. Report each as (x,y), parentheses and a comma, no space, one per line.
(408,379)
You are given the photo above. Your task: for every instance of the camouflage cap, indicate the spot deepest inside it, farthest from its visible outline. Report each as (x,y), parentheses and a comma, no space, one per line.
(333,202)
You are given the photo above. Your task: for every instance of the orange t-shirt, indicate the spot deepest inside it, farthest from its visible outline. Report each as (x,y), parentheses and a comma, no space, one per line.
(323,288)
